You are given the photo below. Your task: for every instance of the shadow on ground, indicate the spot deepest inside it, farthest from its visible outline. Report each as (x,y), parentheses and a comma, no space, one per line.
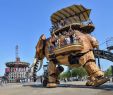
(108,87)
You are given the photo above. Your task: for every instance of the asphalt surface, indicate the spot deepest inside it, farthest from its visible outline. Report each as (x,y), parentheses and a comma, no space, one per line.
(69,88)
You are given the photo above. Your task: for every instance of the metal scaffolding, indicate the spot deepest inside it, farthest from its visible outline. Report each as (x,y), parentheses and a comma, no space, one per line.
(109,43)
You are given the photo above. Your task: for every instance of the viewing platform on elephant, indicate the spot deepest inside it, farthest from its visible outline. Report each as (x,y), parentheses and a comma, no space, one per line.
(87,27)
(59,49)
(68,49)
(75,17)
(66,23)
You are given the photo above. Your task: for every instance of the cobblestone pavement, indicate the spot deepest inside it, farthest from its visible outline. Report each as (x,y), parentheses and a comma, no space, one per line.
(70,88)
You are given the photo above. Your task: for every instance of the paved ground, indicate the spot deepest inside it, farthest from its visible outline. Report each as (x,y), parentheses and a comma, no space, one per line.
(71,88)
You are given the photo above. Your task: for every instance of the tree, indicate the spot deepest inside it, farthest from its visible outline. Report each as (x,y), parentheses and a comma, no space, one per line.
(108,72)
(66,74)
(80,72)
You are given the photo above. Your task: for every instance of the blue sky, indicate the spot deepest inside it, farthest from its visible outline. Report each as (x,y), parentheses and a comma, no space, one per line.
(23,21)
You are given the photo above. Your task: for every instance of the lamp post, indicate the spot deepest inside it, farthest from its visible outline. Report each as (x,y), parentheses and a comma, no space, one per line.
(45,75)
(98,59)
(112,72)
(71,76)
(45,67)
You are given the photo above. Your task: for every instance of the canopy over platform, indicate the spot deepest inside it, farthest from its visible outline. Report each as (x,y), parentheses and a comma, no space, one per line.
(74,14)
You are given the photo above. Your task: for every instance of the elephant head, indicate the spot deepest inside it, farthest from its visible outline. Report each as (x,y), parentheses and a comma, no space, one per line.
(40,48)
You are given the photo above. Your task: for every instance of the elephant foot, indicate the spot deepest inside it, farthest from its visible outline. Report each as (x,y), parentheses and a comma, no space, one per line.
(100,81)
(97,82)
(51,85)
(89,83)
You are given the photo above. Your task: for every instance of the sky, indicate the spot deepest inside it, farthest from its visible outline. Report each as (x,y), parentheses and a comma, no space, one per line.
(23,21)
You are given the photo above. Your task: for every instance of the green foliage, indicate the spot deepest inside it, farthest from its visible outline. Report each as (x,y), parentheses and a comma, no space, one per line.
(80,72)
(108,72)
(66,74)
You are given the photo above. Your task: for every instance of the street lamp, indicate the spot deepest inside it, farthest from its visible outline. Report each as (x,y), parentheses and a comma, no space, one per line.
(112,72)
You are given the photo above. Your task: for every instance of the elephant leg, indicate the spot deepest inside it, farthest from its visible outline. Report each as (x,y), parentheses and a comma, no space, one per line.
(96,76)
(59,70)
(51,75)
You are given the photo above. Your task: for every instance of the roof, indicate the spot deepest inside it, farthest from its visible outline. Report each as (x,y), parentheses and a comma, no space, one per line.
(19,64)
(74,13)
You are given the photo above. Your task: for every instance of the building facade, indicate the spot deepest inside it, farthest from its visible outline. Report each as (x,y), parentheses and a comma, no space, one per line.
(16,71)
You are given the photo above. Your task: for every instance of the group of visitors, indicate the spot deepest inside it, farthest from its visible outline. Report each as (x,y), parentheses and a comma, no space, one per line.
(63,39)
(60,24)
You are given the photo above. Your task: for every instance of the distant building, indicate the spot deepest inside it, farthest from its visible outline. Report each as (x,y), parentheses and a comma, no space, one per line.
(15,71)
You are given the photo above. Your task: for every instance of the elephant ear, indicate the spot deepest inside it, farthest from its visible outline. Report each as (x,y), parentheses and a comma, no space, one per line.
(40,47)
